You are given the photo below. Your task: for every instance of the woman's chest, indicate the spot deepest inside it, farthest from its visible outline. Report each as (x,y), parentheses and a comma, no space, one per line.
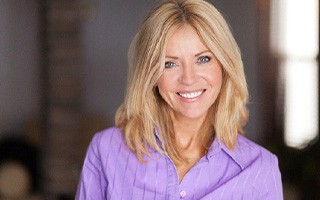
(127,178)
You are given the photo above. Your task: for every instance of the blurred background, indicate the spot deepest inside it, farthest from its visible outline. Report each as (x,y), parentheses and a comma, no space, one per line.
(63,69)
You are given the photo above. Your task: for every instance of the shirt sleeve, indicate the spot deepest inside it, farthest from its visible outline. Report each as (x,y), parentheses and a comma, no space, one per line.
(273,185)
(91,185)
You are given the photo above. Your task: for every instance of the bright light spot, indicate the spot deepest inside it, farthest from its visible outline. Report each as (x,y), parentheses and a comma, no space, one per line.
(294,39)
(300,28)
(301,103)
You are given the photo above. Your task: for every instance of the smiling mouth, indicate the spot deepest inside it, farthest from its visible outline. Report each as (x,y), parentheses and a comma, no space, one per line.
(191,95)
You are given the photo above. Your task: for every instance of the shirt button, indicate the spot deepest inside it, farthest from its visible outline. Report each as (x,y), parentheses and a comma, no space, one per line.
(182,194)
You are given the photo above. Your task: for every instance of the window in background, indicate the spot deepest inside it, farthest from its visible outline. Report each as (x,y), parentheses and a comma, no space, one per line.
(295,43)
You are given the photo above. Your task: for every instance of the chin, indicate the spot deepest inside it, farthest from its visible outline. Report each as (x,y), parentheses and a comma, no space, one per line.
(194,115)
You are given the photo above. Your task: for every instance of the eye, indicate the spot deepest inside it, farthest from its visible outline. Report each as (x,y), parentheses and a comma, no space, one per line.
(169,64)
(203,59)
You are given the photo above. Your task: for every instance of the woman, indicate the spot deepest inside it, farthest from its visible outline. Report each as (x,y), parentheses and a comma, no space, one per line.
(178,132)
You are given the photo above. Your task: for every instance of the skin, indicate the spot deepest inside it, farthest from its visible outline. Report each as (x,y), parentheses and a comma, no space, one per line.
(190,84)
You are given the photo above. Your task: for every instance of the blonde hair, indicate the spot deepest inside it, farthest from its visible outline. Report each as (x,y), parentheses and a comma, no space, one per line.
(144,110)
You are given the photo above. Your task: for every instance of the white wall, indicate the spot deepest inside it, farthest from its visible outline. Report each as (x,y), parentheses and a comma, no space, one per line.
(19,64)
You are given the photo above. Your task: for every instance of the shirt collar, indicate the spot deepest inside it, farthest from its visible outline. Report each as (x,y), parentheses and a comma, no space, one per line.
(236,154)
(158,138)
(156,132)
(159,141)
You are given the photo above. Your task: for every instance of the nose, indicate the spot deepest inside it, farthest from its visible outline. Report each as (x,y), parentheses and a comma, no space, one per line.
(188,75)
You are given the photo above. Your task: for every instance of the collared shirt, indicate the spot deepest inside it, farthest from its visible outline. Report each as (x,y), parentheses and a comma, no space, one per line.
(111,171)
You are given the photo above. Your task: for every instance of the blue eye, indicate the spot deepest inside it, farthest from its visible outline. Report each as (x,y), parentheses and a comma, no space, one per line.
(203,59)
(169,64)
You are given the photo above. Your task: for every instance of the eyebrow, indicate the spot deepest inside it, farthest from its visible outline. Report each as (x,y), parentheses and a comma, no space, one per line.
(198,54)
(202,52)
(172,57)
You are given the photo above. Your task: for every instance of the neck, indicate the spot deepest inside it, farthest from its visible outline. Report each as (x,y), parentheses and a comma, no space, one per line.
(188,136)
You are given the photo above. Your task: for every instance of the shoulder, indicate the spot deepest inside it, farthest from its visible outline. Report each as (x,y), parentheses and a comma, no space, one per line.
(263,166)
(112,133)
(100,158)
(258,167)
(107,139)
(250,151)
(250,148)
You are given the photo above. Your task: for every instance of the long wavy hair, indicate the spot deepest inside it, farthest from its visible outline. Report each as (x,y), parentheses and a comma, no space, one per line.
(143,109)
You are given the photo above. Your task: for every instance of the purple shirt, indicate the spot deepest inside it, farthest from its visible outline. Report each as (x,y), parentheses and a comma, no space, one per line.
(112,171)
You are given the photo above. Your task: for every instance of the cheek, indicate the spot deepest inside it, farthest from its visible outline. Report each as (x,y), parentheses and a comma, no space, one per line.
(215,78)
(166,88)
(217,81)
(165,85)
(162,87)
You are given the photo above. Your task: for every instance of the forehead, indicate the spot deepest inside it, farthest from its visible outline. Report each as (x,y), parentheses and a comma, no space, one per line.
(185,39)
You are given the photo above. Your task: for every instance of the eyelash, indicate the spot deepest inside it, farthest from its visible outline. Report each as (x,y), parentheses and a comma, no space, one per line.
(202,61)
(170,64)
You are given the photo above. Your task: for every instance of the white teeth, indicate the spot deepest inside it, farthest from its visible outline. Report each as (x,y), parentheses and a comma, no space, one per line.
(190,95)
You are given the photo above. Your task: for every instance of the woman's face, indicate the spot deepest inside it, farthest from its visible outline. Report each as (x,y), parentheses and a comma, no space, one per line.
(192,77)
